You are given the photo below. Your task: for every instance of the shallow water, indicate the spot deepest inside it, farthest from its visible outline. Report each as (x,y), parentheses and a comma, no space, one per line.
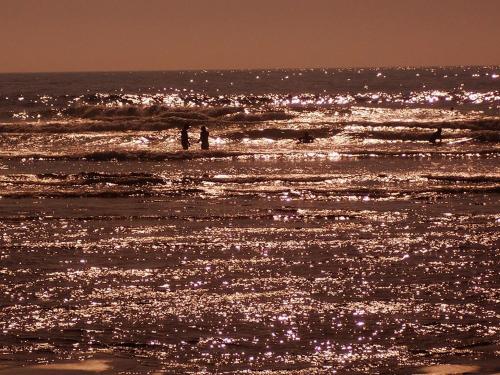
(368,251)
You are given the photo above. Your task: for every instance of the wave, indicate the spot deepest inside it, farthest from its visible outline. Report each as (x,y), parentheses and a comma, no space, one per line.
(463,178)
(126,112)
(75,194)
(375,192)
(396,134)
(117,185)
(412,135)
(83,178)
(492,124)
(134,155)
(131,155)
(103,112)
(280,133)
(372,192)
(271,214)
(484,130)
(329,178)
(121,120)
(259,117)
(132,179)
(151,155)
(99,126)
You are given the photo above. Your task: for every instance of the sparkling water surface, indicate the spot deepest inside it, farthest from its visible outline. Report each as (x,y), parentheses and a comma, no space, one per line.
(369,250)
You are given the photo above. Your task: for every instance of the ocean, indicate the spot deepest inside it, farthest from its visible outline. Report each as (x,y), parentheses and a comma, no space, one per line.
(367,251)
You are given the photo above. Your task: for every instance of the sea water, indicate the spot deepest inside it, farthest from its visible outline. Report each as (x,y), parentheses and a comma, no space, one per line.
(370,250)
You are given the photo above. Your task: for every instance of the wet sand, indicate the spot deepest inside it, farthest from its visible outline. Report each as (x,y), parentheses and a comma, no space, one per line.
(113,365)
(100,364)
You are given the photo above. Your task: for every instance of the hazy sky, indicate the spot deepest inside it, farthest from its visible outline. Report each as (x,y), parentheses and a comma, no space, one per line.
(81,35)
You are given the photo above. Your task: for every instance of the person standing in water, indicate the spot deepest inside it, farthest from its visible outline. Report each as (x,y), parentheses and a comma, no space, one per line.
(204,138)
(438,134)
(185,137)
(306,138)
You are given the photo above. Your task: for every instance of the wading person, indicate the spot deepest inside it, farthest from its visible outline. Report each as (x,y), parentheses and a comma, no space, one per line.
(438,134)
(185,137)
(204,138)
(306,138)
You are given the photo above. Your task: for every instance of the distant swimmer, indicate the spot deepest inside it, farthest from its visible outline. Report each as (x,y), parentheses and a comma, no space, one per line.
(185,137)
(438,134)
(204,138)
(306,138)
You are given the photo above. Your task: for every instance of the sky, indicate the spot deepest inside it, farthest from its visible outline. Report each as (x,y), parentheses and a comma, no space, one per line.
(116,35)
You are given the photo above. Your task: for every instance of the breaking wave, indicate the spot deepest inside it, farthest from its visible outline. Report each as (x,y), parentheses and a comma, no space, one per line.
(97,126)
(486,130)
(139,118)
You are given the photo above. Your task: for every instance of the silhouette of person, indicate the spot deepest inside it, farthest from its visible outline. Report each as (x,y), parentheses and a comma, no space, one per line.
(438,134)
(185,137)
(204,138)
(306,138)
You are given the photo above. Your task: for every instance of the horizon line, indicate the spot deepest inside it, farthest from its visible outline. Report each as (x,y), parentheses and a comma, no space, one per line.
(252,69)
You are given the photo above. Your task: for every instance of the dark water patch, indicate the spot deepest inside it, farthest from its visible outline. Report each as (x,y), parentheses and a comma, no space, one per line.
(492,124)
(190,155)
(297,191)
(464,178)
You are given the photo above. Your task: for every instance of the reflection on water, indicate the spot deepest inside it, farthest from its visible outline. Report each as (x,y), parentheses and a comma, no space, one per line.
(252,282)
(369,250)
